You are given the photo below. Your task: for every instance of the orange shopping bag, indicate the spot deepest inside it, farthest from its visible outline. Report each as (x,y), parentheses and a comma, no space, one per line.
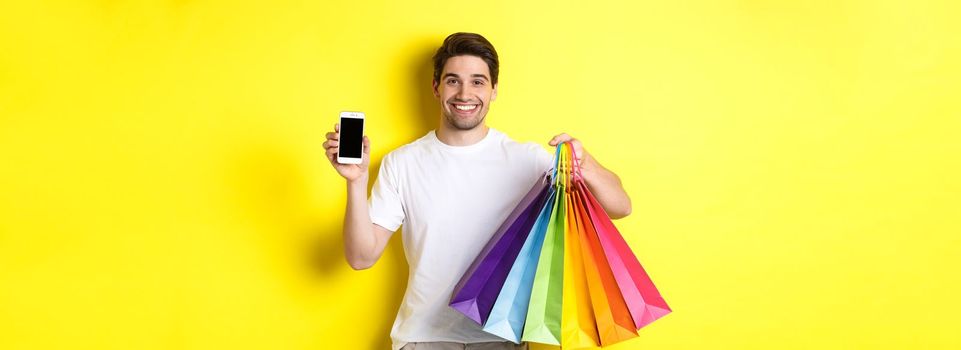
(578,326)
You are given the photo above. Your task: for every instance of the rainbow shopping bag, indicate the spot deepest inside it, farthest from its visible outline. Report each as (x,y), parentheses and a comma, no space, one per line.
(558,271)
(643,299)
(578,325)
(543,324)
(614,321)
(474,295)
(509,313)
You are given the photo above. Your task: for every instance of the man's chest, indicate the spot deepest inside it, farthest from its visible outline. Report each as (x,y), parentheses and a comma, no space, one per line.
(466,192)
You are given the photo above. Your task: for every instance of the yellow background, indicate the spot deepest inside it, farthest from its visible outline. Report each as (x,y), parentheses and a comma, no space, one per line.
(794,165)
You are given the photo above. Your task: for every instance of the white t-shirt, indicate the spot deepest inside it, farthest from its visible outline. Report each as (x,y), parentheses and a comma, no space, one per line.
(450,201)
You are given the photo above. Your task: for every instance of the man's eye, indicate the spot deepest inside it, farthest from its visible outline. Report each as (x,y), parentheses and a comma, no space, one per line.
(452,82)
(478,82)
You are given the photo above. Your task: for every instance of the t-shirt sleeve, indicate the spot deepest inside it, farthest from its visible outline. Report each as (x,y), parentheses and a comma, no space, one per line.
(545,160)
(386,205)
(540,160)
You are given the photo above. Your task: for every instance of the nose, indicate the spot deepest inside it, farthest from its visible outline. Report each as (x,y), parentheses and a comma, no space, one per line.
(461,94)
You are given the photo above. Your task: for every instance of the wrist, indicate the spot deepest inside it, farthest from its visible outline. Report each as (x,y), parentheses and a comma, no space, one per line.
(589,168)
(359,182)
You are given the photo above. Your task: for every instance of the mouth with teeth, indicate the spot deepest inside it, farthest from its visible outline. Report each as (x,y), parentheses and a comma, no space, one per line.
(464,109)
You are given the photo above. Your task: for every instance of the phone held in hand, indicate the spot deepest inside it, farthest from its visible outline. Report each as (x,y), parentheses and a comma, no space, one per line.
(351,142)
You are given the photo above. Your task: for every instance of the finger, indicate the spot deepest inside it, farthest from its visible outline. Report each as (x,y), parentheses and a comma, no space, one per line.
(579,150)
(330,156)
(332,151)
(337,127)
(578,147)
(331,143)
(366,145)
(560,138)
(333,136)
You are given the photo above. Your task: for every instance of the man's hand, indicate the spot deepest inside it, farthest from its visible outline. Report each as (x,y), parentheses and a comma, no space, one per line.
(584,160)
(351,172)
(604,184)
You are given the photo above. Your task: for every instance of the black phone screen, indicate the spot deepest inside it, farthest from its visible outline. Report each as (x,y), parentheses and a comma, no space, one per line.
(351,137)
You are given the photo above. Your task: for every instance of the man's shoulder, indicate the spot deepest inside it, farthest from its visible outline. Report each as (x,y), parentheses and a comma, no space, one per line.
(407,151)
(529,146)
(527,151)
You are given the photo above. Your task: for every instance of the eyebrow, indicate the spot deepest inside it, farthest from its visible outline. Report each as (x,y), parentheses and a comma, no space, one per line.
(472,75)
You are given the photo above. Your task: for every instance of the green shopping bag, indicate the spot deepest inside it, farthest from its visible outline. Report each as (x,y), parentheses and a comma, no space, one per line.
(543,324)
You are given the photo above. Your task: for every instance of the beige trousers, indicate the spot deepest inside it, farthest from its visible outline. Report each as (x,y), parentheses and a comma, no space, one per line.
(462,346)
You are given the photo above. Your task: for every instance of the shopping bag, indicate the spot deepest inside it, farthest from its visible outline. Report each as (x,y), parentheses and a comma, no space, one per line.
(614,320)
(578,325)
(477,290)
(643,299)
(543,323)
(509,313)
(569,278)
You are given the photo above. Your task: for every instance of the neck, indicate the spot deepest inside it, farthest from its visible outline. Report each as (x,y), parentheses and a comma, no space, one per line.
(452,136)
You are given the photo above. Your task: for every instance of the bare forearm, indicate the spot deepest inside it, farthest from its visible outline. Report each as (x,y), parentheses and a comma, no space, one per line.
(607,188)
(360,242)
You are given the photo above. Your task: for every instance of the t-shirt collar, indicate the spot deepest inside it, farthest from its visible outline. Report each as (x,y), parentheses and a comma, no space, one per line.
(491,134)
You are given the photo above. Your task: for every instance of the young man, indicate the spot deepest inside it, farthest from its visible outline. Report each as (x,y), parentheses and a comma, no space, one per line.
(450,189)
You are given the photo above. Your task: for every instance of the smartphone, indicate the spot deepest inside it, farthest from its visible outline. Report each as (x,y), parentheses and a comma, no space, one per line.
(351,149)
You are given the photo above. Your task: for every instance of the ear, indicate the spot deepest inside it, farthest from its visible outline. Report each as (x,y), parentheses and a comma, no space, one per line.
(434,86)
(494,93)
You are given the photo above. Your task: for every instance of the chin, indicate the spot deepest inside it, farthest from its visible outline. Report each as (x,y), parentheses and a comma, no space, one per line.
(465,124)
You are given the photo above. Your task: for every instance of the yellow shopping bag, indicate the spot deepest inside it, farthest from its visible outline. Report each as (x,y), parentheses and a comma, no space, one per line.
(578,327)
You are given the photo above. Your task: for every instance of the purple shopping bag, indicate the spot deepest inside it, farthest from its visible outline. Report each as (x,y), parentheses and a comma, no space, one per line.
(475,294)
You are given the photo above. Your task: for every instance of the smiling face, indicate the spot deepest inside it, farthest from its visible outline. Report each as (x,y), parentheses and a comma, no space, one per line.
(465,91)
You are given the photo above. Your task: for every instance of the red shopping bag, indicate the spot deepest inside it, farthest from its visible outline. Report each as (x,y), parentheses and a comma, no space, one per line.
(643,299)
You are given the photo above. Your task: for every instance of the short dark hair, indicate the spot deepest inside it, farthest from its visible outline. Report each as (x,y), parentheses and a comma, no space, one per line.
(459,44)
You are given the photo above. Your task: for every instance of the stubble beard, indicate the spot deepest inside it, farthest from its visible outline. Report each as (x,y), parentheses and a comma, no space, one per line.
(464,124)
